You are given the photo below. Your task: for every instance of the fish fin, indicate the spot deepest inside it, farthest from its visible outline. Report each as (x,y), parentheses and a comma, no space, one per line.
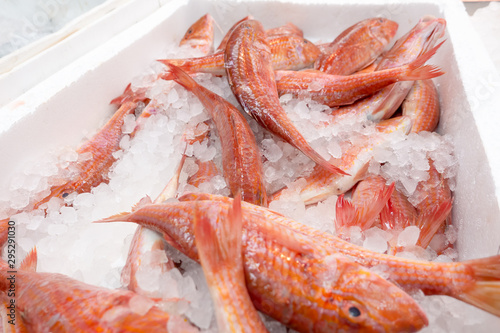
(171,188)
(120,217)
(219,244)
(30,261)
(312,154)
(4,233)
(417,70)
(392,218)
(365,216)
(345,212)
(485,293)
(143,202)
(181,77)
(430,220)
(129,95)
(348,214)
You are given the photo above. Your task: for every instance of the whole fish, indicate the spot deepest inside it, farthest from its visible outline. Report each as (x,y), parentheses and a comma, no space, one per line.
(200,35)
(51,302)
(335,90)
(241,158)
(218,240)
(321,184)
(422,105)
(357,46)
(476,281)
(251,78)
(289,276)
(384,103)
(95,157)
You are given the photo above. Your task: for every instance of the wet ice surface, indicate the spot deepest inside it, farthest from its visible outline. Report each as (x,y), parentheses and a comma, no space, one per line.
(69,243)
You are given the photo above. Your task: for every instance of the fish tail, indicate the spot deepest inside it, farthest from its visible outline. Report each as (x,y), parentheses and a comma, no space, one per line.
(417,70)
(121,217)
(485,292)
(429,221)
(219,246)
(363,217)
(312,154)
(172,186)
(181,77)
(345,212)
(129,95)
(30,261)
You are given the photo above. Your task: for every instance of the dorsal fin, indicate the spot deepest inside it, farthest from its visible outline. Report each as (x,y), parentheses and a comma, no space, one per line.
(143,202)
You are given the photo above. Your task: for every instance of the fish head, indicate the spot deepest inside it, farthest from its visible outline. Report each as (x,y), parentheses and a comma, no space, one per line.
(421,38)
(200,33)
(57,191)
(199,30)
(369,303)
(310,51)
(383,29)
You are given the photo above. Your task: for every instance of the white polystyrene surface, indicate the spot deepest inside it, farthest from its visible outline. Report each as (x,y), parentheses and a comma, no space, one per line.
(74,101)
(28,66)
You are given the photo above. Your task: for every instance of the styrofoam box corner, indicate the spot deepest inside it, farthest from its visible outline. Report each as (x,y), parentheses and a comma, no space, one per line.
(75,101)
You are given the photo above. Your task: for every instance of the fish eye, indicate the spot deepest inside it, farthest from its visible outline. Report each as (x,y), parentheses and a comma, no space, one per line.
(190,31)
(354,311)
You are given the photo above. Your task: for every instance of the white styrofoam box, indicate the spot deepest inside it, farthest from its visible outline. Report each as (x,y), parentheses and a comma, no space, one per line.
(74,102)
(28,66)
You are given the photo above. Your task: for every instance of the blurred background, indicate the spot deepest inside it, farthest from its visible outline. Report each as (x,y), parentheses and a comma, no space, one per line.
(25,21)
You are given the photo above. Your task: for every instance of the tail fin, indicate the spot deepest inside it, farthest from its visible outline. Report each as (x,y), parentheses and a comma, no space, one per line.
(485,293)
(349,215)
(121,217)
(430,221)
(171,188)
(223,249)
(313,155)
(417,70)
(181,77)
(129,95)
(30,261)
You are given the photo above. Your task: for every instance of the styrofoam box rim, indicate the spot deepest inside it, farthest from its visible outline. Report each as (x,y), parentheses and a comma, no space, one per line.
(50,113)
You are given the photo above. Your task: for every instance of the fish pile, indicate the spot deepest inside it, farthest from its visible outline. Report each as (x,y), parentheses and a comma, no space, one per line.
(309,186)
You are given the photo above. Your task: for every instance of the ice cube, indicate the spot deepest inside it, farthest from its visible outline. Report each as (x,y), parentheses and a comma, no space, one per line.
(409,236)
